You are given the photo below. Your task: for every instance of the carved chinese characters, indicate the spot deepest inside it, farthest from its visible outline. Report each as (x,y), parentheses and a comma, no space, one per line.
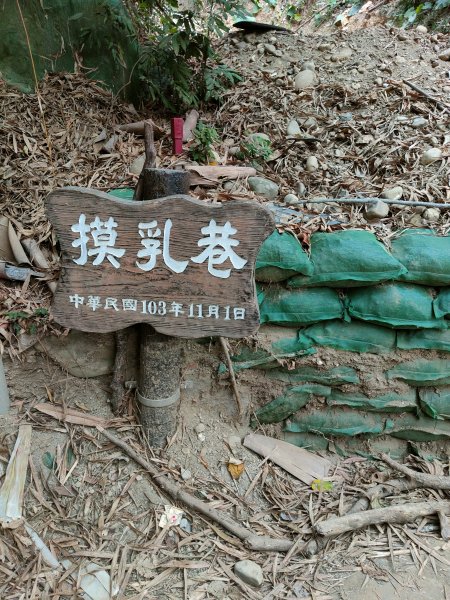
(184,266)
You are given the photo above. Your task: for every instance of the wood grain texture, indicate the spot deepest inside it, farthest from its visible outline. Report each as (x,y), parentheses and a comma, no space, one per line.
(191,288)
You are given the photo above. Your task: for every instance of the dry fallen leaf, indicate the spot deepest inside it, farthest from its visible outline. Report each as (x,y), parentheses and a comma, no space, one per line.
(235,467)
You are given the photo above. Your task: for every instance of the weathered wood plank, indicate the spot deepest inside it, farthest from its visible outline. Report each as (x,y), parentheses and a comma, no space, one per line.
(208,296)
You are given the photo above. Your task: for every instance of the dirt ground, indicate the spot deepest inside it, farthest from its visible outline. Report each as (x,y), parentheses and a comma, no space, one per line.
(106,509)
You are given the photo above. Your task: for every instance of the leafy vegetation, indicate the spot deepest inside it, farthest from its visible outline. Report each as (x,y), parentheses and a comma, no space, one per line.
(410,11)
(257,148)
(202,148)
(26,321)
(179,65)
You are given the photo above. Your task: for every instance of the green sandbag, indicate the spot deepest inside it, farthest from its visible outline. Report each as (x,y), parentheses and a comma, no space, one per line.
(430,339)
(300,307)
(348,258)
(338,422)
(122,193)
(391,403)
(295,398)
(275,343)
(441,304)
(425,255)
(435,403)
(356,336)
(336,376)
(281,256)
(422,372)
(400,305)
(420,429)
(343,422)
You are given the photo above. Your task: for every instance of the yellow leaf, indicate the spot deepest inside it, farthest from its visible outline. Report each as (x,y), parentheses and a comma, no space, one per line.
(235,470)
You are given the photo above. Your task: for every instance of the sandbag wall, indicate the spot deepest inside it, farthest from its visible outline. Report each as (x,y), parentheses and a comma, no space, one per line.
(351,295)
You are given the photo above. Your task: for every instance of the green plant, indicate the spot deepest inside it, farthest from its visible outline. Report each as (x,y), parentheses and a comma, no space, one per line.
(257,148)
(25,321)
(410,11)
(202,149)
(179,65)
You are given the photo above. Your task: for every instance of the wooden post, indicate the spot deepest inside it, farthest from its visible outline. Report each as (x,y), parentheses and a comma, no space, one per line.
(158,392)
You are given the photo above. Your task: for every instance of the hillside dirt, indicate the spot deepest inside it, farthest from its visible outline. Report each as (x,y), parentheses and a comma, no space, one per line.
(85,497)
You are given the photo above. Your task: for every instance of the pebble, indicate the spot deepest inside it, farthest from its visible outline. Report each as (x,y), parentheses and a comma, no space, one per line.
(301,189)
(263,187)
(377,210)
(309,66)
(250,572)
(402,35)
(430,156)
(290,199)
(312,164)
(293,128)
(419,122)
(233,151)
(431,214)
(445,55)
(379,81)
(342,54)
(200,428)
(304,79)
(400,60)
(270,49)
(421,29)
(416,221)
(346,117)
(309,122)
(394,193)
(185,474)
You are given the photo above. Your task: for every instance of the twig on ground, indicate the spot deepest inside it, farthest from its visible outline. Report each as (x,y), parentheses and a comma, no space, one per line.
(420,90)
(251,540)
(224,344)
(402,513)
(434,482)
(372,200)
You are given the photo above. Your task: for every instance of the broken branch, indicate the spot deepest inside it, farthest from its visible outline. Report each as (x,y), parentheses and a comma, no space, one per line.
(403,513)
(251,540)
(434,482)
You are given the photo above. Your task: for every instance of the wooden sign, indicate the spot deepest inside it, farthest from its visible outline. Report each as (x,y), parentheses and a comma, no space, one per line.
(184,266)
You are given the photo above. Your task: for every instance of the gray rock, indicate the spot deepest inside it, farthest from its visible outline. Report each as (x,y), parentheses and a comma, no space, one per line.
(432,214)
(394,193)
(312,164)
(263,187)
(377,210)
(200,428)
(185,474)
(250,572)
(421,29)
(445,55)
(309,66)
(233,151)
(290,199)
(430,156)
(342,54)
(402,35)
(308,122)
(82,354)
(270,49)
(379,81)
(301,189)
(415,221)
(293,128)
(137,165)
(419,122)
(304,80)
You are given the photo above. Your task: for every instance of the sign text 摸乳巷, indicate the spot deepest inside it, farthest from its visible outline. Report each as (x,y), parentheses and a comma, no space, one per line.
(185,266)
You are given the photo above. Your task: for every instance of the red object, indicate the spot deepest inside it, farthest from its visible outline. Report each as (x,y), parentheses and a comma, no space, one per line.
(177,135)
